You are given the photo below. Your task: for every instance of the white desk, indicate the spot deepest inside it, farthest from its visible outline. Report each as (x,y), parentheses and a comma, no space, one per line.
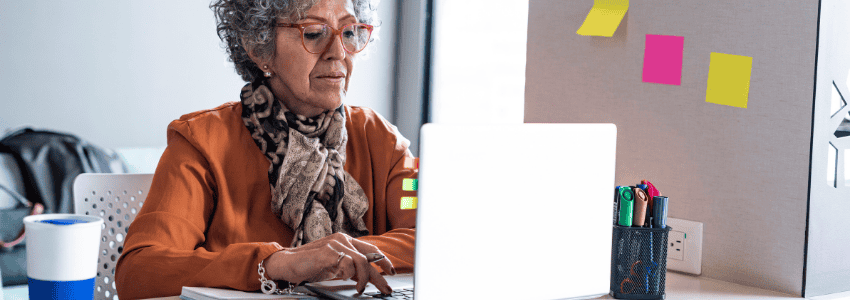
(18,292)
(686,287)
(679,286)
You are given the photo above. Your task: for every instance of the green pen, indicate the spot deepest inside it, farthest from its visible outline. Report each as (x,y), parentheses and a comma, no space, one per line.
(626,206)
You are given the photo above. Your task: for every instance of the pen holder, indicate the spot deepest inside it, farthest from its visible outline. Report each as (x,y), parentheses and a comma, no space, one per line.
(638,262)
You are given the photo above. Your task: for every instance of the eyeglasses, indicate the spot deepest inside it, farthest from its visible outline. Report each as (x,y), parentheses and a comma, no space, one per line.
(317,37)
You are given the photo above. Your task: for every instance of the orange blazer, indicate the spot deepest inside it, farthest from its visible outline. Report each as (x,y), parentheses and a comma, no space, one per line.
(207,220)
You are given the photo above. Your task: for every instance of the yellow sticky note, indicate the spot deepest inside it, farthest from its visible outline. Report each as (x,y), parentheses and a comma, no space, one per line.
(408,202)
(410,184)
(604,18)
(729,79)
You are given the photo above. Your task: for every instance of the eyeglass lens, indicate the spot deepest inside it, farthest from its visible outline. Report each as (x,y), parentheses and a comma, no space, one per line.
(354,37)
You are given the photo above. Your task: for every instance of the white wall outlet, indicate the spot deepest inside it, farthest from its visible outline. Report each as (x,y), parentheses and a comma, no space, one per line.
(676,245)
(684,246)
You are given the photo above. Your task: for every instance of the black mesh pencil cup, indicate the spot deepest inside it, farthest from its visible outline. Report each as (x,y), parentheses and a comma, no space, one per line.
(638,262)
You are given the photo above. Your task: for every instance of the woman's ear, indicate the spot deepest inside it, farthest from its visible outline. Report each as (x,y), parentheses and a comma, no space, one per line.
(262,64)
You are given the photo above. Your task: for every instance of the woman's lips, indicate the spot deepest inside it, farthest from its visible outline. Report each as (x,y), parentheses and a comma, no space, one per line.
(333,77)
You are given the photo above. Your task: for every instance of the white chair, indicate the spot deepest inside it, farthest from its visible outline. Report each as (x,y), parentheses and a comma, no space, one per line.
(117,199)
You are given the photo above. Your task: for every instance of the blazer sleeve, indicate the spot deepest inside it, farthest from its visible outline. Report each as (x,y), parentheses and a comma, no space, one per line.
(397,243)
(164,246)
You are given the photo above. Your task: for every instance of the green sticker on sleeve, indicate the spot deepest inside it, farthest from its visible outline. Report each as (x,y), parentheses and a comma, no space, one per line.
(410,184)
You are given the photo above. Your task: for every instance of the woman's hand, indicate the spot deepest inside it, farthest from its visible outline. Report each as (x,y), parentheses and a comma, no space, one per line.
(337,256)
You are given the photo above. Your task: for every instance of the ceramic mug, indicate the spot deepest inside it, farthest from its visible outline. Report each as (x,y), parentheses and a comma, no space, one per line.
(62,255)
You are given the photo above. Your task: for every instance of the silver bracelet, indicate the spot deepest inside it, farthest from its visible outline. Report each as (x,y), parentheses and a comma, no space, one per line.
(269,287)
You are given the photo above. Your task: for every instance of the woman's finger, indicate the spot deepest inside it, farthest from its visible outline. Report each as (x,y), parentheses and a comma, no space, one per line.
(363,273)
(345,269)
(379,281)
(361,266)
(364,247)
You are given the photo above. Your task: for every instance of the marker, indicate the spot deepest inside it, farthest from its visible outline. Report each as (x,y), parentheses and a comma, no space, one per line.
(641,201)
(647,222)
(659,212)
(651,191)
(626,206)
(616,203)
(659,220)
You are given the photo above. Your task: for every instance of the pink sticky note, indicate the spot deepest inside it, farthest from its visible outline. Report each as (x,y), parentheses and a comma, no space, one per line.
(662,59)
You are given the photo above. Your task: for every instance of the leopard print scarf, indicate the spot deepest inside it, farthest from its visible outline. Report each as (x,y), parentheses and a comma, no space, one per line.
(311,192)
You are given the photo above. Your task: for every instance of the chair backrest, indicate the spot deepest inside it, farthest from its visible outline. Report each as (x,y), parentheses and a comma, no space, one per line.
(117,199)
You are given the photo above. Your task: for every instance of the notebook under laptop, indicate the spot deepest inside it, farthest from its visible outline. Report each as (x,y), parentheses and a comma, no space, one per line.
(511,212)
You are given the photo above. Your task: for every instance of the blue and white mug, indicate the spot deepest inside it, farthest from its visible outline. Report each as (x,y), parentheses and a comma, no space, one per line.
(62,255)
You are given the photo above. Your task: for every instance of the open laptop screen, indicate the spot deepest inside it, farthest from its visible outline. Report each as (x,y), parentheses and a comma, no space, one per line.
(509,211)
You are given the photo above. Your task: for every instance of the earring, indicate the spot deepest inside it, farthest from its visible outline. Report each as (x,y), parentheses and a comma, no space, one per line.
(267,73)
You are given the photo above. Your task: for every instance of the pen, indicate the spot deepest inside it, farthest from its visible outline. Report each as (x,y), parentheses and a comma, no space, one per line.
(626,206)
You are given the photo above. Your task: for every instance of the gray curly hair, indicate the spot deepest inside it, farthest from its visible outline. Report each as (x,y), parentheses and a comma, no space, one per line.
(254,22)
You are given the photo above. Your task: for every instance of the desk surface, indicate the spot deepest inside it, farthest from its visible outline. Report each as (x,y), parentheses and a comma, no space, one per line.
(686,287)
(679,286)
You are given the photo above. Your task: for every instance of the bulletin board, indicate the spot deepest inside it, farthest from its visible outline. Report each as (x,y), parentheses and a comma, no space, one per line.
(739,167)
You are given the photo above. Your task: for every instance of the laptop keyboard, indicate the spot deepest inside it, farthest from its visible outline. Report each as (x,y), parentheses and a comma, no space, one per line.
(397,294)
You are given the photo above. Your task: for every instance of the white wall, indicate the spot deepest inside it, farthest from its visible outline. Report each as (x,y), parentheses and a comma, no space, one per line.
(372,83)
(478,64)
(117,72)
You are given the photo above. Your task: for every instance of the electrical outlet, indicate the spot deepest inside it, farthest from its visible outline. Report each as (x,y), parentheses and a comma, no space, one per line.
(684,246)
(676,245)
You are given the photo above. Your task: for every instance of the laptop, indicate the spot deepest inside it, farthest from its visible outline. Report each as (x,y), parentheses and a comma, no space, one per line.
(519,211)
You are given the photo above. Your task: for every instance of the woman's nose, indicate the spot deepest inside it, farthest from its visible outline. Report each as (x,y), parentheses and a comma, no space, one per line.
(335,51)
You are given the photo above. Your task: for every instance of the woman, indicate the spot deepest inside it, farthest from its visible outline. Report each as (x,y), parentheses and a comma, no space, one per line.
(288,184)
